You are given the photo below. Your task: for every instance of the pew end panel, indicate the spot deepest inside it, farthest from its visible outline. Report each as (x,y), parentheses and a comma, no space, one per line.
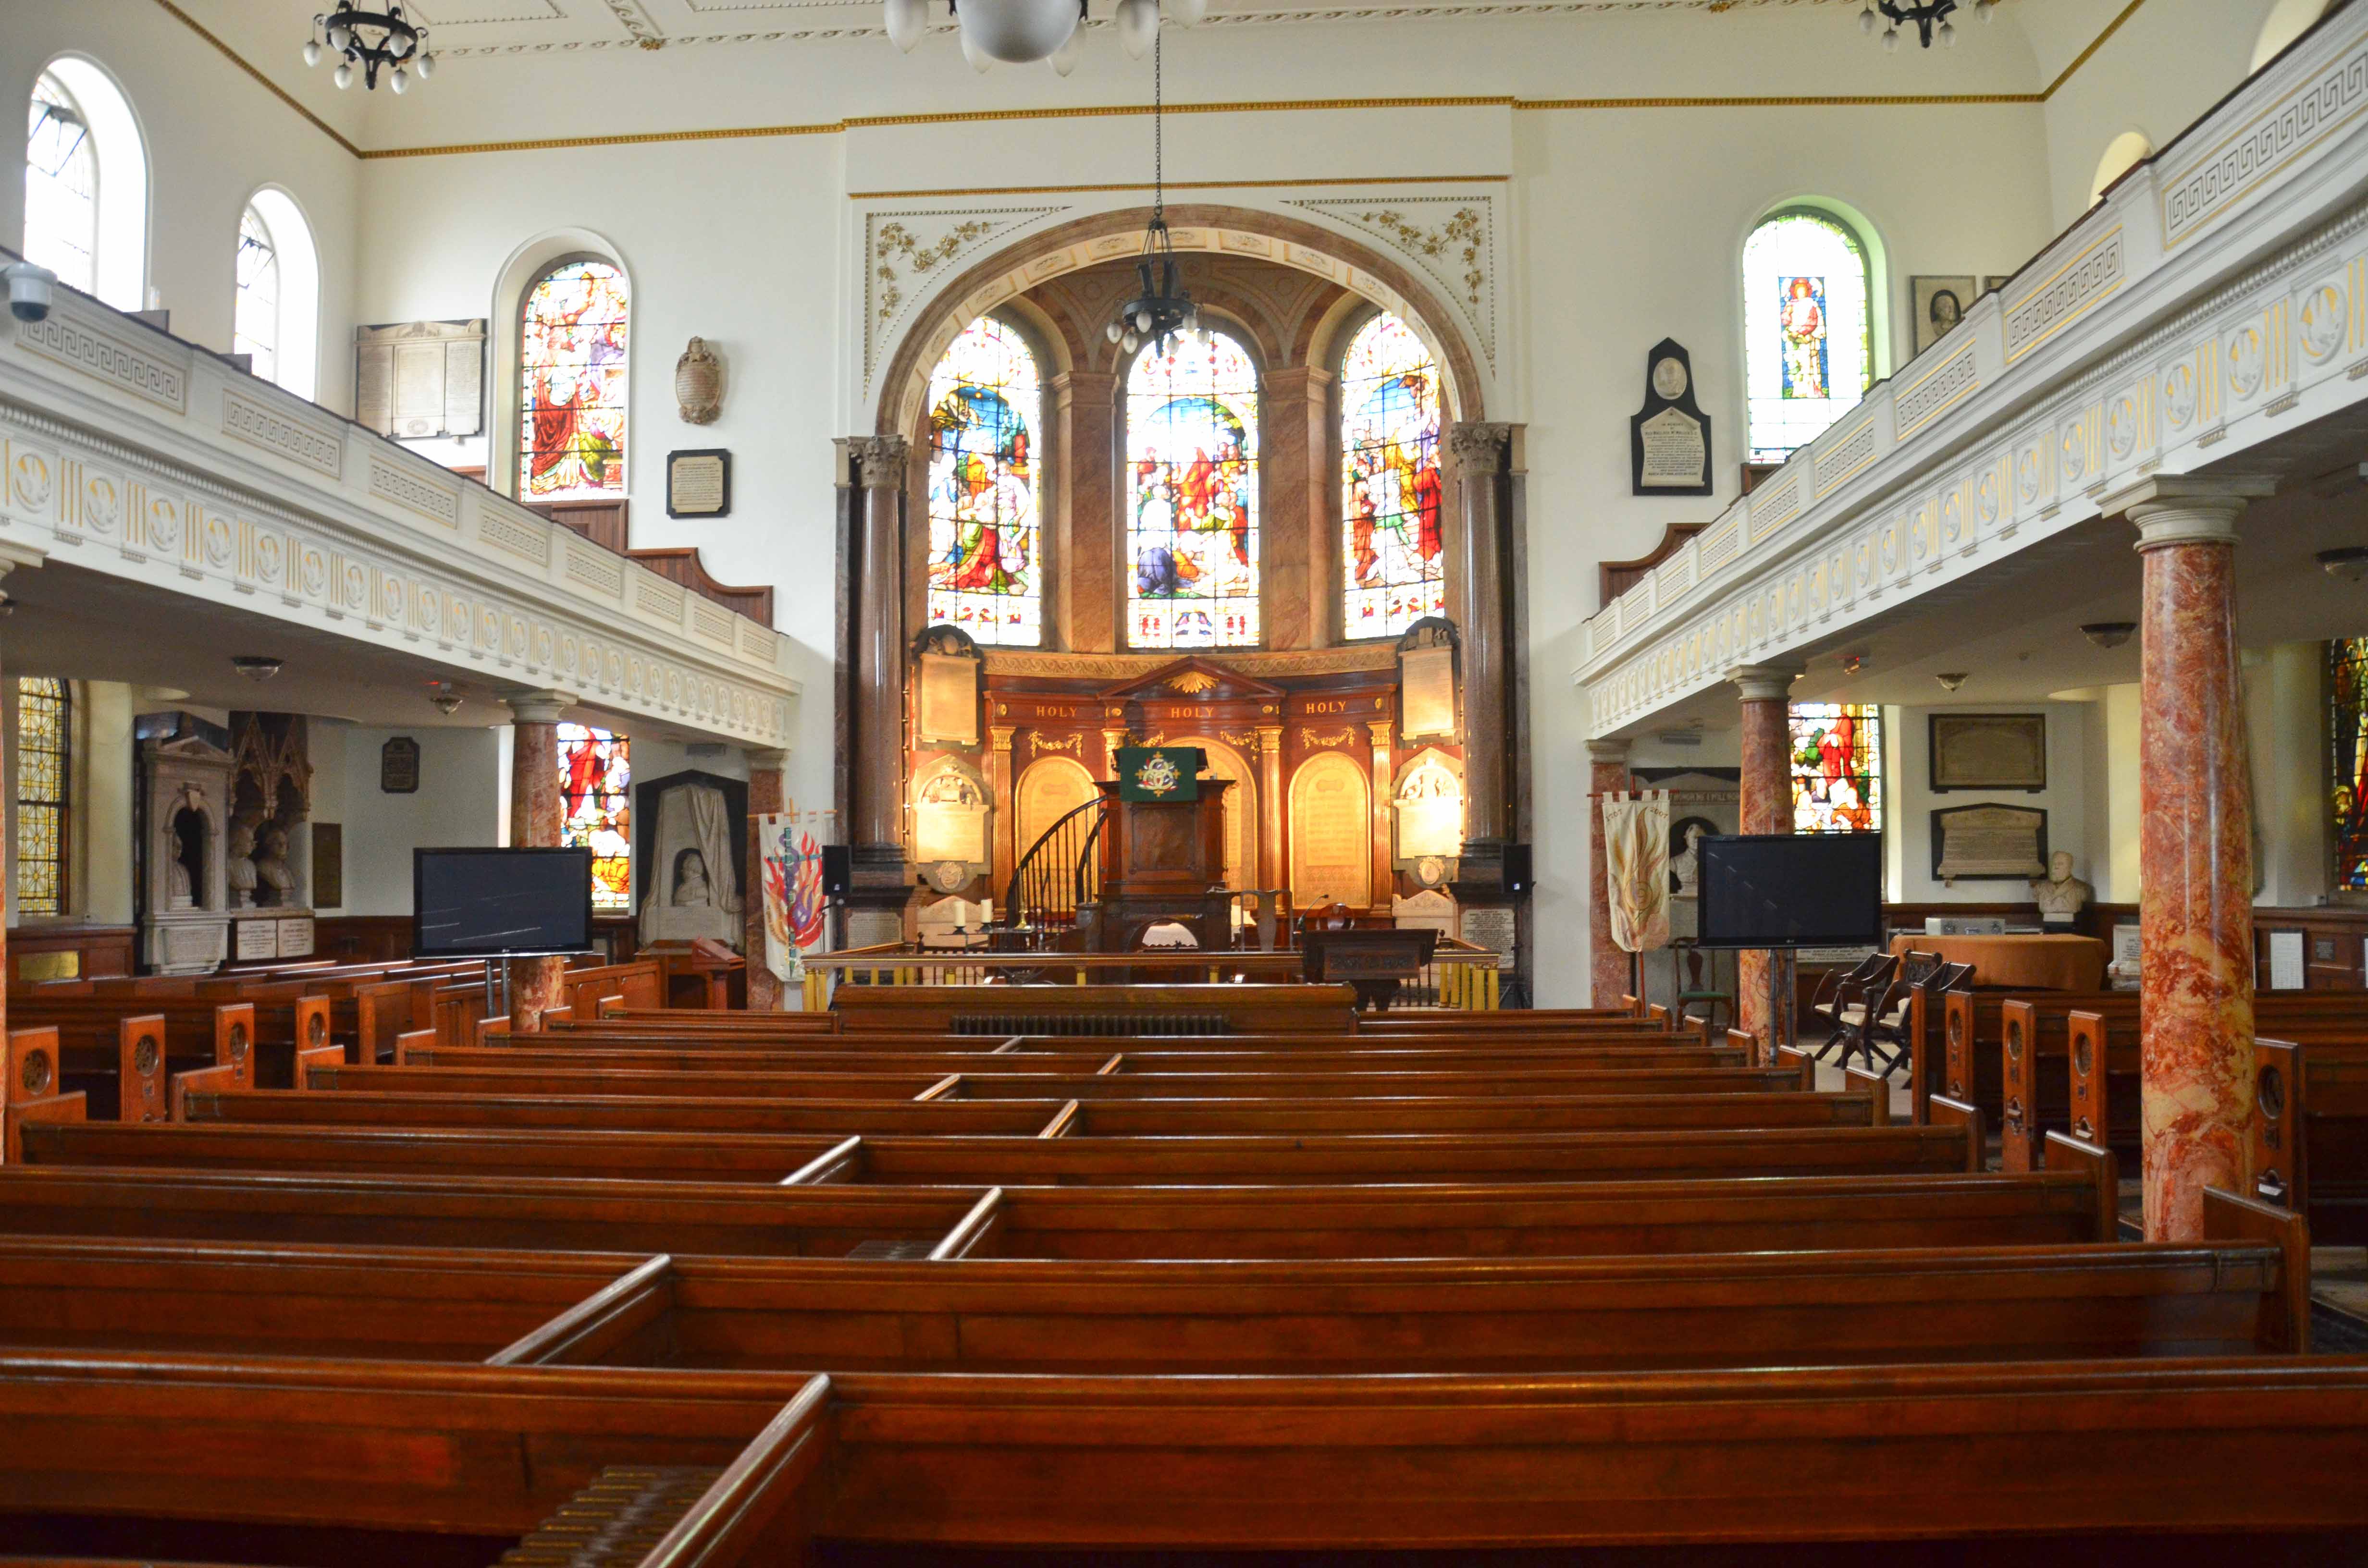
(1957,1046)
(30,1089)
(2280,1174)
(2103,1170)
(2088,1045)
(1947,1112)
(1874,1086)
(224,1078)
(626,1320)
(2230,1217)
(2018,1121)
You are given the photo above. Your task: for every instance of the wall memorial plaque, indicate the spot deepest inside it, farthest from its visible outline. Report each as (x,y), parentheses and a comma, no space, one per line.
(414,379)
(1989,843)
(1989,751)
(950,816)
(328,864)
(1426,694)
(699,483)
(1429,806)
(1331,834)
(1668,439)
(398,767)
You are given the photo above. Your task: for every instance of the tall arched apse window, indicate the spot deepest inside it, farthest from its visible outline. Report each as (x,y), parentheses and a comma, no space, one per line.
(1192,526)
(87,184)
(986,487)
(1808,343)
(572,383)
(596,781)
(276,315)
(1393,564)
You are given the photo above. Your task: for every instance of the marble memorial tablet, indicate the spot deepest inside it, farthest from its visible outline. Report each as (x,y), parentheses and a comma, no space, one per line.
(948,705)
(1426,694)
(1990,843)
(1668,438)
(949,818)
(699,484)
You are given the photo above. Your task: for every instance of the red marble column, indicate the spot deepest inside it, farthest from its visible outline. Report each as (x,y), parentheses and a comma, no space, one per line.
(535,818)
(1766,807)
(1607,965)
(765,797)
(2196,856)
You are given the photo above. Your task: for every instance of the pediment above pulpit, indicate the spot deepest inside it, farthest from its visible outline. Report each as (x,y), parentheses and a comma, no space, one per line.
(1192,679)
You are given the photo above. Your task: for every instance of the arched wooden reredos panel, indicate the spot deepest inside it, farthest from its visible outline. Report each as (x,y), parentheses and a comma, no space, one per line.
(1331,833)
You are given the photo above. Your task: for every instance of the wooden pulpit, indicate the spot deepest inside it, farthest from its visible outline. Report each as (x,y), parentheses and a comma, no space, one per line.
(1165,860)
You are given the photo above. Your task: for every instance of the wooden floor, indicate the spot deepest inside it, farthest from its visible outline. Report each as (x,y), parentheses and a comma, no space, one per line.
(892,1288)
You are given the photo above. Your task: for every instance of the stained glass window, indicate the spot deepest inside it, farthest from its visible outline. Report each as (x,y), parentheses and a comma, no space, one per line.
(257,329)
(572,369)
(1837,767)
(1392,558)
(986,484)
(60,186)
(2347,691)
(45,715)
(1191,461)
(596,802)
(1810,351)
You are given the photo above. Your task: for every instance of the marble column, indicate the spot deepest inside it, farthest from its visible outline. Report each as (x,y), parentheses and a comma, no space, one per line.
(1480,613)
(1274,871)
(2195,855)
(1296,483)
(765,796)
(1086,543)
(536,815)
(1766,807)
(1385,879)
(1607,966)
(881,886)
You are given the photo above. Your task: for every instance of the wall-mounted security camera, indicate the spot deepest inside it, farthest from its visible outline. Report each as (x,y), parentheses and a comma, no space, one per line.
(30,289)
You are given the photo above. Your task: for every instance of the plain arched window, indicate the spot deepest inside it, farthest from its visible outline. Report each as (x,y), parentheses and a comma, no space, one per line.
(1192,494)
(86,185)
(1808,338)
(2124,154)
(571,383)
(986,487)
(1393,564)
(2287,20)
(279,306)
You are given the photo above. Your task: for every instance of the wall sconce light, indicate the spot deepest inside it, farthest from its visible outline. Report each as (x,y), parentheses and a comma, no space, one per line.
(1950,681)
(2108,633)
(256,667)
(2350,563)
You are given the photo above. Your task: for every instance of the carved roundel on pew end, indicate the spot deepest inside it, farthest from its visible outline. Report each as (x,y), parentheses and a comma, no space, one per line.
(2080,1056)
(2014,1041)
(36,1072)
(238,1042)
(316,1029)
(143,1055)
(2272,1093)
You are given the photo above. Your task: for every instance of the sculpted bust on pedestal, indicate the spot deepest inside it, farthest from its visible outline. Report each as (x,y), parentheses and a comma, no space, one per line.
(2059,894)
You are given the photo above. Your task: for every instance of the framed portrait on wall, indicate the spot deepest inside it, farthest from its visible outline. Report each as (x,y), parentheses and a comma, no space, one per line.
(1938,303)
(1989,750)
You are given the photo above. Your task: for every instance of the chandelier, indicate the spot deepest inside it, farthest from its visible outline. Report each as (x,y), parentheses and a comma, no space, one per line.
(1923,15)
(1018,31)
(1163,309)
(371,39)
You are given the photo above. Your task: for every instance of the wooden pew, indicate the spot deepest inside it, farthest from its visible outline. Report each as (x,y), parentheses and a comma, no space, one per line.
(1095,1010)
(689,1058)
(2310,1134)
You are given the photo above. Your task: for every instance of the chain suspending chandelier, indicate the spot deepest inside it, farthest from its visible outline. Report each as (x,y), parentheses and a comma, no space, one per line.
(1924,15)
(1163,309)
(373,40)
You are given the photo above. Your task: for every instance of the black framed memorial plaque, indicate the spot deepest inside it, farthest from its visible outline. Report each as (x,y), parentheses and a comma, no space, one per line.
(699,483)
(398,767)
(1668,438)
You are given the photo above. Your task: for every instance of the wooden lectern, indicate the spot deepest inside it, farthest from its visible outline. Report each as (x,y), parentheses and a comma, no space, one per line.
(1165,860)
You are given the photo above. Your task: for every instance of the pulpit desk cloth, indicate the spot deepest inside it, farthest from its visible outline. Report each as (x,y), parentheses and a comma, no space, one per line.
(1637,867)
(1160,773)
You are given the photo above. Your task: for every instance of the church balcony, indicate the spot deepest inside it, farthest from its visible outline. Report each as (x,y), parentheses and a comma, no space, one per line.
(195,492)
(2213,304)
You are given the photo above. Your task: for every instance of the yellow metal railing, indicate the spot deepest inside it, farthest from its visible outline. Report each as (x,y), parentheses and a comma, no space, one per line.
(1462,976)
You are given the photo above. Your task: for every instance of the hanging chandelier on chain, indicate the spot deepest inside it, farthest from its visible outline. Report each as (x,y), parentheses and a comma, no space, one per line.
(1018,31)
(1163,309)
(1924,15)
(373,40)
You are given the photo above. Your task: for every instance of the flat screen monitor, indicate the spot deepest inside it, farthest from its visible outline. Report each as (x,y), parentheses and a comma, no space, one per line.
(472,904)
(1811,890)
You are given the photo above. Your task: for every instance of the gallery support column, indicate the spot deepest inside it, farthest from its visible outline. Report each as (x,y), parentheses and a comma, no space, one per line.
(1607,965)
(765,796)
(536,817)
(875,911)
(1766,807)
(2195,853)
(1479,452)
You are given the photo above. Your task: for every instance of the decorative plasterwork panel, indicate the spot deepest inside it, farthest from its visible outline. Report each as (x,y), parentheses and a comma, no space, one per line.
(437,503)
(2206,183)
(1450,239)
(2063,296)
(157,370)
(904,253)
(1941,389)
(285,434)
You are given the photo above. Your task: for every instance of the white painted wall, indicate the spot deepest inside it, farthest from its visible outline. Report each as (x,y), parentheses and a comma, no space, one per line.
(2285,722)
(459,803)
(1912,802)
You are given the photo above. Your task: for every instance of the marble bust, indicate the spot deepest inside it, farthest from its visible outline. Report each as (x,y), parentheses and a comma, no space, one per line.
(238,865)
(272,871)
(2059,894)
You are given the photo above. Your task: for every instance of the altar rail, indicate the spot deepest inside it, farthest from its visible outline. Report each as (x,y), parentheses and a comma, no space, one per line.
(1462,976)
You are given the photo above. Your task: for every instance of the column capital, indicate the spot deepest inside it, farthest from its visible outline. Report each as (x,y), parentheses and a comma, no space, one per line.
(879,461)
(1610,753)
(999,736)
(2183,509)
(768,759)
(1765,683)
(1479,445)
(1380,730)
(538,706)
(1269,740)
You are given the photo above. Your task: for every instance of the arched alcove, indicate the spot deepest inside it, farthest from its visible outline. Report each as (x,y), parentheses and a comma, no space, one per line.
(2124,154)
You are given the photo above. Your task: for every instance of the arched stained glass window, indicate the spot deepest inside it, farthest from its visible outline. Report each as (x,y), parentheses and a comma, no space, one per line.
(60,186)
(596,781)
(1392,558)
(1809,352)
(255,330)
(1837,767)
(986,487)
(44,750)
(572,370)
(1191,463)
(2347,692)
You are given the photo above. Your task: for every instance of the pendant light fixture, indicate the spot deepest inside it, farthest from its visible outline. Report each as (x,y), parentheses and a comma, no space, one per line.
(1163,309)
(1925,16)
(373,40)
(1016,32)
